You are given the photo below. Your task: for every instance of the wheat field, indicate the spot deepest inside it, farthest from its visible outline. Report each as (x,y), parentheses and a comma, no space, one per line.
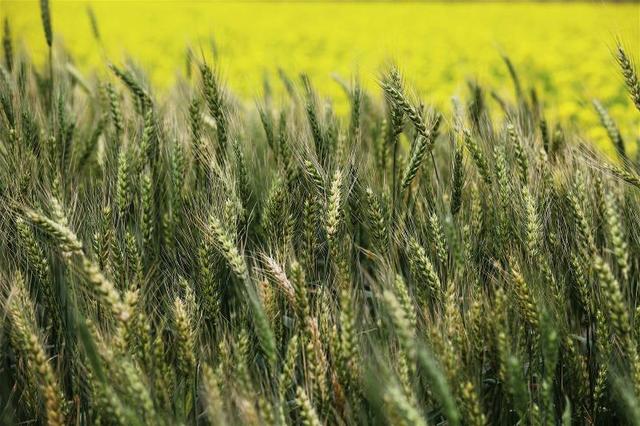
(173,253)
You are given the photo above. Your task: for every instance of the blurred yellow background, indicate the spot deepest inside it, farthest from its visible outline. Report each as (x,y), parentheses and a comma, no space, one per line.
(564,49)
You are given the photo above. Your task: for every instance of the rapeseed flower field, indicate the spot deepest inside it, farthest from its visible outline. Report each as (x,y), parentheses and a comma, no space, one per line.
(561,49)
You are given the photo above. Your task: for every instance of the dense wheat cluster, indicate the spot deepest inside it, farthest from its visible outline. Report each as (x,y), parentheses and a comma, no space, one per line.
(192,259)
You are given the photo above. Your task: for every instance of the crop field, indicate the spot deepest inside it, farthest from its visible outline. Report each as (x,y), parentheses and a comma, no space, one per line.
(324,214)
(563,50)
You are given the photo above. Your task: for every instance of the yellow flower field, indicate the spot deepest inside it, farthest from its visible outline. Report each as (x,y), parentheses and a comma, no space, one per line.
(562,49)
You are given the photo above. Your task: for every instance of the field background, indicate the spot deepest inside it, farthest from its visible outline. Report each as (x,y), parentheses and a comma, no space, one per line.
(563,48)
